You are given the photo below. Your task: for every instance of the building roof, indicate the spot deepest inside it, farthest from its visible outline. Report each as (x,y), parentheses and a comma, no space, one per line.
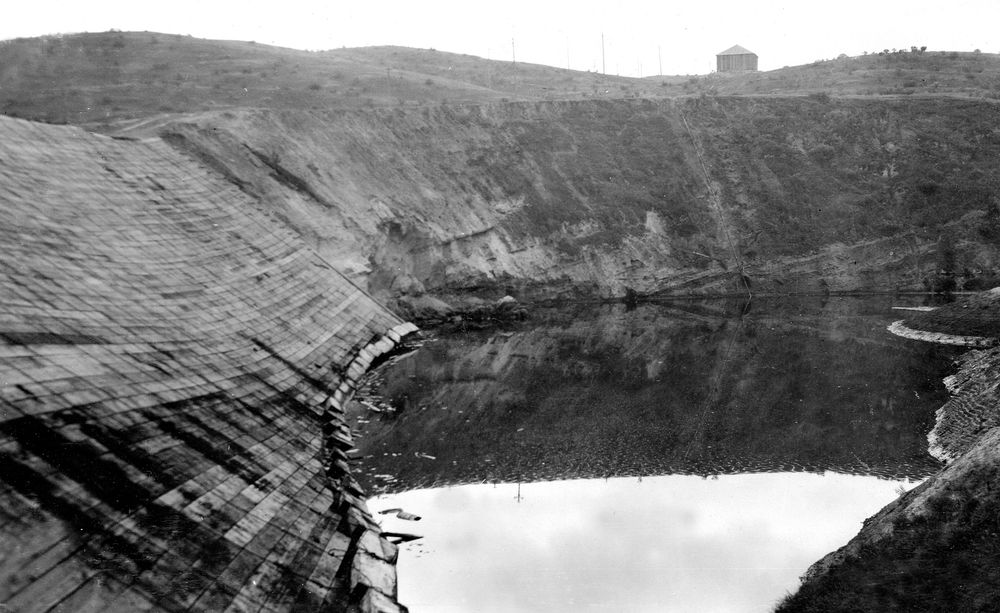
(736,50)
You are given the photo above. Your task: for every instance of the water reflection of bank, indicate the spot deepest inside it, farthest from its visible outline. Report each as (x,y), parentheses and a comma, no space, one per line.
(696,388)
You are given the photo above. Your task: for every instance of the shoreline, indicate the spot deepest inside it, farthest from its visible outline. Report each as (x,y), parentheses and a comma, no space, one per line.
(939,526)
(900,329)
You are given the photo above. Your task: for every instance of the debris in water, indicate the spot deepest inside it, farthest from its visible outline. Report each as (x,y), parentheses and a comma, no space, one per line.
(400,537)
(426,456)
(401,514)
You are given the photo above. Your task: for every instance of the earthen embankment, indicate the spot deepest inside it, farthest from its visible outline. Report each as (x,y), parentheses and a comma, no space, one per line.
(174,361)
(598,197)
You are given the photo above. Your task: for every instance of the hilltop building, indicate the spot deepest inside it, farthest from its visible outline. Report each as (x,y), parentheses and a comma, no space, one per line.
(736,59)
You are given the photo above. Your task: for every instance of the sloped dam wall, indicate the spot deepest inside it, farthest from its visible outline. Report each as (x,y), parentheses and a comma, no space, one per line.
(173,363)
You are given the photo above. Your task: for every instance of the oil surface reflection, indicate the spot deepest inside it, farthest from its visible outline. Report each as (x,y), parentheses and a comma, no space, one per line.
(678,543)
(682,457)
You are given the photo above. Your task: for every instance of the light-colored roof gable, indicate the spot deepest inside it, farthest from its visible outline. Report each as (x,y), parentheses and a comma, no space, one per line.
(737,50)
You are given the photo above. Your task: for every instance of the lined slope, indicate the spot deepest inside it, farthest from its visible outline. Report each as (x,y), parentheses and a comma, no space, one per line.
(168,352)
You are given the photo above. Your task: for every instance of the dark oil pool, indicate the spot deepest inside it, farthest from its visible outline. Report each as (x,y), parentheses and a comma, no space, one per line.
(692,456)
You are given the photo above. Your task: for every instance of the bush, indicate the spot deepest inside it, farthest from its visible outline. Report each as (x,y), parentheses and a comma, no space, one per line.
(822,153)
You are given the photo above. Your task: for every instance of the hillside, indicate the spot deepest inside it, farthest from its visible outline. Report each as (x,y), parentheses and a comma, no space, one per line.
(551,183)
(586,198)
(108,80)
(104,79)
(975,75)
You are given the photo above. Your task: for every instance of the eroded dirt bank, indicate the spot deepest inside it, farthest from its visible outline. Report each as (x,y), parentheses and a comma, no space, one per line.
(700,195)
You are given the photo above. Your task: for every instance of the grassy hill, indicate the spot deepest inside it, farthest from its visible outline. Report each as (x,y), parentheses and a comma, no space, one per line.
(904,73)
(104,80)
(114,76)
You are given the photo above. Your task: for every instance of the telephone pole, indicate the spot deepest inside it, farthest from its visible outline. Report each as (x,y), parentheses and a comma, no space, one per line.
(604,69)
(513,56)
(659,55)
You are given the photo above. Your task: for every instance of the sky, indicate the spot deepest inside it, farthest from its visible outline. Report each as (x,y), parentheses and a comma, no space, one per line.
(641,38)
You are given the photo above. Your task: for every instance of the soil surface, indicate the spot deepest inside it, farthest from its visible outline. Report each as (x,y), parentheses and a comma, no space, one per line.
(977,315)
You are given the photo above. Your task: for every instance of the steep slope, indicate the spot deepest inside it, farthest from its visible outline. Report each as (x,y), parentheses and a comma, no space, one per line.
(703,195)
(933,549)
(172,367)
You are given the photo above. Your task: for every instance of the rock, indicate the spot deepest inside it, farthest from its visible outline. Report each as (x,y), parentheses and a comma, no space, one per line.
(506,304)
(423,307)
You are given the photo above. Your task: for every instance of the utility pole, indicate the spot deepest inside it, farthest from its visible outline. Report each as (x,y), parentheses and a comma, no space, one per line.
(604,68)
(513,56)
(659,55)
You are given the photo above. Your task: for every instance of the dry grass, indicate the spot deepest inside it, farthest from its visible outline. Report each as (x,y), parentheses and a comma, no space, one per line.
(101,78)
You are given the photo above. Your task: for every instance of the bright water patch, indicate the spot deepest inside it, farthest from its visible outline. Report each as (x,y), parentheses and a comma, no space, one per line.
(675,543)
